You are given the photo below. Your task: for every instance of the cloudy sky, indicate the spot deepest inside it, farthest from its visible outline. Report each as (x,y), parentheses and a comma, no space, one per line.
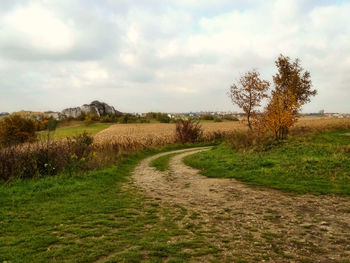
(166,55)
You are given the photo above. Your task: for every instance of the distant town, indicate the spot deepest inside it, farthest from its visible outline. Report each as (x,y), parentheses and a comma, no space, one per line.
(197,114)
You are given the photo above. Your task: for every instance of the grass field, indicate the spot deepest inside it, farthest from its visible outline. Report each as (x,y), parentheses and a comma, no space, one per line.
(318,164)
(90,217)
(74,130)
(100,217)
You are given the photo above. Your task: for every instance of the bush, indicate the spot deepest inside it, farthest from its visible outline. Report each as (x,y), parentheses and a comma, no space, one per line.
(106,119)
(188,131)
(128,118)
(88,121)
(81,117)
(230,117)
(206,117)
(218,120)
(49,158)
(161,117)
(109,118)
(15,129)
(144,120)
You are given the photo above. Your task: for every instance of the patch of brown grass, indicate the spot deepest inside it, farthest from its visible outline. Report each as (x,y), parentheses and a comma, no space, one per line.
(319,124)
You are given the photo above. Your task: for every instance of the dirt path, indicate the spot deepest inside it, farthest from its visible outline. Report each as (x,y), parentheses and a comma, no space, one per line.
(255,224)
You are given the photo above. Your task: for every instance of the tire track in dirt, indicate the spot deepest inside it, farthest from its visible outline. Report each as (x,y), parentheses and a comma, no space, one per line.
(255,224)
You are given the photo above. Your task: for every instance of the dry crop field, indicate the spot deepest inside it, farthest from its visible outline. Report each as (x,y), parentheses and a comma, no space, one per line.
(163,133)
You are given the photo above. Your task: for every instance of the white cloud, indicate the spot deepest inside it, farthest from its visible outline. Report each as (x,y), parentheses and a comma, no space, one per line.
(37,28)
(171,55)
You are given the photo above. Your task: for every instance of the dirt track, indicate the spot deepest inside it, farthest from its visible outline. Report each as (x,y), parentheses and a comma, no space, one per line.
(254,223)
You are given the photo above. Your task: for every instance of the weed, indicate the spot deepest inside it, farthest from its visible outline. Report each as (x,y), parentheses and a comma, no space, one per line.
(188,131)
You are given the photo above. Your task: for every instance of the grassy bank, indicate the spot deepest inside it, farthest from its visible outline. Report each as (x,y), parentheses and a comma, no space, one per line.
(92,216)
(318,164)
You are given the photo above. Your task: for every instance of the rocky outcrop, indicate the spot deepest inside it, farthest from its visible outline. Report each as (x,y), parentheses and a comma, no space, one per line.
(95,107)
(54,115)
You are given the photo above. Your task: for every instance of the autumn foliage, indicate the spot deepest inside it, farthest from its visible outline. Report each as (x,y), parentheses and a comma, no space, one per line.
(281,114)
(292,89)
(15,129)
(248,92)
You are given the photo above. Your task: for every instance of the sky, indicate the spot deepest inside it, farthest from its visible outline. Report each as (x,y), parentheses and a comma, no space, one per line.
(168,55)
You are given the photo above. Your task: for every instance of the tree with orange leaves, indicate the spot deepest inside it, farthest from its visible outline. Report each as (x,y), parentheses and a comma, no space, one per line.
(248,93)
(292,90)
(281,113)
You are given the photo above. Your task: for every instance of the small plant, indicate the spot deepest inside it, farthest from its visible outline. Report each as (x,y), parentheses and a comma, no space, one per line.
(188,131)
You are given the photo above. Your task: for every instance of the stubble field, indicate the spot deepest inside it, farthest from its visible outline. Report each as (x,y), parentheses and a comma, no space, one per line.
(164,133)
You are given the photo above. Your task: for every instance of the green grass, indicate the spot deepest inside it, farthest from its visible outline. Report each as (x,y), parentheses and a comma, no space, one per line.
(88,216)
(162,163)
(70,131)
(318,164)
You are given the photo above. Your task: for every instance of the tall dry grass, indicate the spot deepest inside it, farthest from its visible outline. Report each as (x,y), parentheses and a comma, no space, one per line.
(319,124)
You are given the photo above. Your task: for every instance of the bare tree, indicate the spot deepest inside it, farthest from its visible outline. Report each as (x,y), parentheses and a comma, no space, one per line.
(248,93)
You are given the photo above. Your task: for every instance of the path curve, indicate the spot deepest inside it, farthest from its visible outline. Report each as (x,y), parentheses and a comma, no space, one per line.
(252,221)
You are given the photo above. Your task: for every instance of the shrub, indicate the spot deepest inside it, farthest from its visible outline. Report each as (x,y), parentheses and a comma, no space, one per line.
(81,117)
(206,117)
(49,158)
(88,121)
(127,118)
(188,131)
(230,117)
(163,117)
(106,119)
(109,118)
(15,129)
(144,120)
(218,120)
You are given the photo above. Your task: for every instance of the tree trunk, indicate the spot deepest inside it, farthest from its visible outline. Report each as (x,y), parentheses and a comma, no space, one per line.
(249,124)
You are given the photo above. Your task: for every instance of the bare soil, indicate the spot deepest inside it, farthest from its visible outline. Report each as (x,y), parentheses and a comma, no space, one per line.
(248,223)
